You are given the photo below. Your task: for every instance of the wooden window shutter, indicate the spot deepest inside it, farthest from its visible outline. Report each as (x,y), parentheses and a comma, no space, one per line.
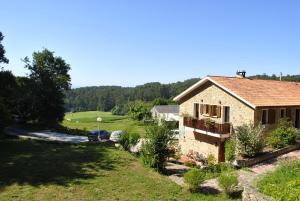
(289,113)
(201,108)
(209,109)
(218,111)
(271,116)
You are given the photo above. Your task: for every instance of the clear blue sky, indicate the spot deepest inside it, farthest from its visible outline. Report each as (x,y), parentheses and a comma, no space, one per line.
(130,42)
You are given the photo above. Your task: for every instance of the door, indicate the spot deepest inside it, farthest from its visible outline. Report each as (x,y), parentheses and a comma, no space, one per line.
(297,119)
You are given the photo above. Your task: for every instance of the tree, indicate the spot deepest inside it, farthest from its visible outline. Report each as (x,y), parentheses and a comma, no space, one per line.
(139,110)
(157,146)
(160,101)
(7,96)
(3,59)
(25,99)
(51,79)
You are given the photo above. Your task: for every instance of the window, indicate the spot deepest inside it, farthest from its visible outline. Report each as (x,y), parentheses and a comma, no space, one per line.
(264,117)
(196,110)
(226,116)
(206,109)
(214,110)
(282,113)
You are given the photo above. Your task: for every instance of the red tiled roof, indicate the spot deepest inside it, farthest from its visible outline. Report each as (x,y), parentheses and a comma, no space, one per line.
(262,92)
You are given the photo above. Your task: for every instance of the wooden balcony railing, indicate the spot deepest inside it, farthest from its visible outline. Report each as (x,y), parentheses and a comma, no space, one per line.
(209,127)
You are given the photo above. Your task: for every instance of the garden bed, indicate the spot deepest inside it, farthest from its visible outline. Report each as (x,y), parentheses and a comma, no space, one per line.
(246,162)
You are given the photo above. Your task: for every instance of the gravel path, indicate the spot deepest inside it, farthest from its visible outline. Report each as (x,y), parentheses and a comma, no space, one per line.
(47,136)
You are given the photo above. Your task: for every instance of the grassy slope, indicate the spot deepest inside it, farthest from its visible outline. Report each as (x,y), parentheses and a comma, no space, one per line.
(283,183)
(35,170)
(87,120)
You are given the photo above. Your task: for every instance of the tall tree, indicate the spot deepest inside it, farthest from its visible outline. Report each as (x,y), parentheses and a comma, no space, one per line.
(7,96)
(3,59)
(7,80)
(51,78)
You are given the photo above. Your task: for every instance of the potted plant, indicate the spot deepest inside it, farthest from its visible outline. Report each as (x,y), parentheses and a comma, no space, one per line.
(209,124)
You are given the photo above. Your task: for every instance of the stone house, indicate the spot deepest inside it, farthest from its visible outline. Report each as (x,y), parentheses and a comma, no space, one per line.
(212,108)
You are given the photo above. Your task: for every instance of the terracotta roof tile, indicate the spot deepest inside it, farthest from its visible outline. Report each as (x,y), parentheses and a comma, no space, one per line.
(262,92)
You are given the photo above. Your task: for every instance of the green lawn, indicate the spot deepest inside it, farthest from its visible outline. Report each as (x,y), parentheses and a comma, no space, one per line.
(87,120)
(37,170)
(283,183)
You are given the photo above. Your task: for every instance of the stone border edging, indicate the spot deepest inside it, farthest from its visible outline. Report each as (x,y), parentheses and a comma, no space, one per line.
(267,156)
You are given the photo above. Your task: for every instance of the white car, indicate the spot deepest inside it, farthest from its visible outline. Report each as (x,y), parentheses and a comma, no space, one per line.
(115,135)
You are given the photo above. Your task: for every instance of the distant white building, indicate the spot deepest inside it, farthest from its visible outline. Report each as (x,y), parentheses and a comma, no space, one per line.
(165,112)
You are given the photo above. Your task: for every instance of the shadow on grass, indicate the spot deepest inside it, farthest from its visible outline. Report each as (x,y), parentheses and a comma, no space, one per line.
(39,163)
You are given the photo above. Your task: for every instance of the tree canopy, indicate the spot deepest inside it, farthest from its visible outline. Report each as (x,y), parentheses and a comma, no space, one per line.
(3,59)
(50,78)
(105,98)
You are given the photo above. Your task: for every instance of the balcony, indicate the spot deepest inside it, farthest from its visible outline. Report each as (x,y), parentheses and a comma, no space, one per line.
(201,124)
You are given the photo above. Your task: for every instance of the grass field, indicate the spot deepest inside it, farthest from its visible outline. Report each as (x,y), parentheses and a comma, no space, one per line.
(87,120)
(283,183)
(36,170)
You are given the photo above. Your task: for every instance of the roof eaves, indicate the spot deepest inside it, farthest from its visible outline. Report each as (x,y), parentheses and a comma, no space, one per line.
(191,88)
(204,80)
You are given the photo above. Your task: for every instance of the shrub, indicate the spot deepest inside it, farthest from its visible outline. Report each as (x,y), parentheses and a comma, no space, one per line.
(119,110)
(194,178)
(190,163)
(128,139)
(285,134)
(230,149)
(133,138)
(249,139)
(211,160)
(124,141)
(228,180)
(156,148)
(139,110)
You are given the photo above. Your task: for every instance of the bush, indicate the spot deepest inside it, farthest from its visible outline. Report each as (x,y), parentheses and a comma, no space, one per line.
(218,168)
(124,141)
(249,139)
(134,138)
(230,150)
(128,139)
(211,160)
(119,110)
(190,163)
(156,148)
(285,134)
(228,180)
(139,110)
(194,178)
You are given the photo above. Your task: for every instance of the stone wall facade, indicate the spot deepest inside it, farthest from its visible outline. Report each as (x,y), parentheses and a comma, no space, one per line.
(213,95)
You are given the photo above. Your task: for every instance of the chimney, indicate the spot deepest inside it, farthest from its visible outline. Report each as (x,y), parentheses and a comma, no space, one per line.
(241,73)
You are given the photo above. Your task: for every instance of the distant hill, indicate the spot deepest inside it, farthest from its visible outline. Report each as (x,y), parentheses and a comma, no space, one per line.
(106,97)
(293,78)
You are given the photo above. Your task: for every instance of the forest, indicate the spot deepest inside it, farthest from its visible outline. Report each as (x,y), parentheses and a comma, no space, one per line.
(105,98)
